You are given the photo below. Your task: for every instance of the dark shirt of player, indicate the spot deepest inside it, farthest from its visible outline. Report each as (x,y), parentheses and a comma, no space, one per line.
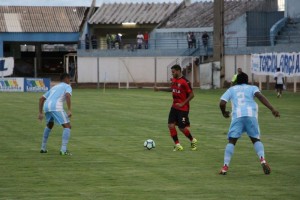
(181,88)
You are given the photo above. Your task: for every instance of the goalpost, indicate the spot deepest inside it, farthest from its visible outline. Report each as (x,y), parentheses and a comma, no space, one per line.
(146,72)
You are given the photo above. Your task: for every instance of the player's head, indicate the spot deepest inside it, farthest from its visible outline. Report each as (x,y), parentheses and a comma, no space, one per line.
(176,71)
(239,70)
(65,77)
(278,69)
(242,78)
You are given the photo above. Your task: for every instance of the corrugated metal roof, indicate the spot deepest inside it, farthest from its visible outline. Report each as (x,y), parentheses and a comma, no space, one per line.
(200,14)
(40,19)
(140,13)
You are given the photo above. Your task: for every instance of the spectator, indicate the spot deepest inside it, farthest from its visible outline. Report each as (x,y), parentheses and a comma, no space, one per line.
(279,78)
(140,40)
(205,38)
(193,38)
(189,39)
(87,41)
(146,39)
(94,42)
(113,41)
(119,40)
(72,70)
(108,41)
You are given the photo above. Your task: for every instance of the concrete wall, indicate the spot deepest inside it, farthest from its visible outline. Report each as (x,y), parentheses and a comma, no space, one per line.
(124,69)
(292,8)
(143,70)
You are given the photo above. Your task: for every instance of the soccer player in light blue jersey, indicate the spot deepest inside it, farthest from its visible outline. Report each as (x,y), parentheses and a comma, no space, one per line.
(52,103)
(244,118)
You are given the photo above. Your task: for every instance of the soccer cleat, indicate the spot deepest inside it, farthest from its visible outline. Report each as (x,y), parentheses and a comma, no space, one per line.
(265,166)
(66,153)
(194,144)
(43,151)
(178,147)
(224,170)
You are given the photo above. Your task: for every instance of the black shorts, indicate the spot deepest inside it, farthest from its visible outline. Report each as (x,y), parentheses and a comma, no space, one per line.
(179,117)
(279,86)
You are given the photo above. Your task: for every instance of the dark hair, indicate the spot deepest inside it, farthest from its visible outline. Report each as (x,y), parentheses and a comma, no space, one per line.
(242,78)
(278,69)
(63,76)
(176,67)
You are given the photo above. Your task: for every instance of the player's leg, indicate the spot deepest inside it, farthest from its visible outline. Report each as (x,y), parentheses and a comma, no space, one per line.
(183,125)
(280,89)
(252,129)
(172,120)
(235,132)
(228,153)
(65,139)
(50,122)
(62,118)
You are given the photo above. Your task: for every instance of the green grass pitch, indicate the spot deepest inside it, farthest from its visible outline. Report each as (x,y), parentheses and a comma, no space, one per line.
(110,163)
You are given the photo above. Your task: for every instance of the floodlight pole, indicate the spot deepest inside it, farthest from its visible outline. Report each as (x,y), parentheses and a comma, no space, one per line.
(218,54)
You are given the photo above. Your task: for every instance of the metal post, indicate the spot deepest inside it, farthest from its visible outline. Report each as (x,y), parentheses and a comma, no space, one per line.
(155,71)
(35,67)
(192,72)
(98,75)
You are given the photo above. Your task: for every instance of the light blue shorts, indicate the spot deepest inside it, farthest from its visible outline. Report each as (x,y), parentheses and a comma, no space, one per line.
(59,117)
(244,124)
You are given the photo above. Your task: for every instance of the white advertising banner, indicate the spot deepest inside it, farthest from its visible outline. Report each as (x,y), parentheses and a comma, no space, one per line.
(267,63)
(11,84)
(6,66)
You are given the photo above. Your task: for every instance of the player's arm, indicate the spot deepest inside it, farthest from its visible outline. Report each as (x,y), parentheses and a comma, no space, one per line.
(41,103)
(163,89)
(68,101)
(265,101)
(188,99)
(169,89)
(222,106)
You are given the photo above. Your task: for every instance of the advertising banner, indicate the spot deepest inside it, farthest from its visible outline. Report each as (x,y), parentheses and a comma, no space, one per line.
(37,84)
(6,66)
(12,84)
(267,63)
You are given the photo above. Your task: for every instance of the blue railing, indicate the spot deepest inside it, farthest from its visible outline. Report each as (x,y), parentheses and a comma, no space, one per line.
(276,28)
(131,44)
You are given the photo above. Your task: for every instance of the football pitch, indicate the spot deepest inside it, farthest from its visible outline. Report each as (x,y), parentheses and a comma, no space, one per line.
(109,161)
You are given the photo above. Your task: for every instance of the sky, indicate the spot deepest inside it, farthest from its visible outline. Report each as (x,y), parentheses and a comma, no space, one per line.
(70,2)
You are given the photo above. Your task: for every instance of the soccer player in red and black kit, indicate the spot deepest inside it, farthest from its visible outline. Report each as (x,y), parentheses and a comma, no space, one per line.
(179,113)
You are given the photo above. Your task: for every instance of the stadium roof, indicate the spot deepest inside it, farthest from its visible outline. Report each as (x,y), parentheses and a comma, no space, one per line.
(200,14)
(80,3)
(140,13)
(40,19)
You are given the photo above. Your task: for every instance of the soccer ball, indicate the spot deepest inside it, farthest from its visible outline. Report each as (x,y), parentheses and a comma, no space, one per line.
(149,144)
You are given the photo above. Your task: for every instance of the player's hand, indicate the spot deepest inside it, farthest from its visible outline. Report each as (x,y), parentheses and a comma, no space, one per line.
(179,105)
(226,114)
(41,116)
(275,113)
(69,113)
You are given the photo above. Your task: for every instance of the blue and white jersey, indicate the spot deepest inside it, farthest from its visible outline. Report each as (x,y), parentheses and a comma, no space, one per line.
(56,97)
(242,100)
